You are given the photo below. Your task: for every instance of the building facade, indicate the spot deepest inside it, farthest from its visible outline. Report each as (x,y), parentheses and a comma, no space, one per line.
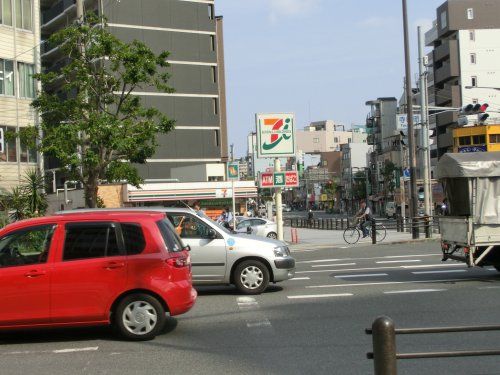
(193,35)
(322,136)
(19,59)
(463,66)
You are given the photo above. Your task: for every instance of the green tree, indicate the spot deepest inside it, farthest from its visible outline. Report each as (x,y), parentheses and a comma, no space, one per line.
(14,202)
(358,190)
(388,173)
(92,122)
(32,187)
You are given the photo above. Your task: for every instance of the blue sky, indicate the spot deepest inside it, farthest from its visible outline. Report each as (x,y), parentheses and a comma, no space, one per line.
(321,59)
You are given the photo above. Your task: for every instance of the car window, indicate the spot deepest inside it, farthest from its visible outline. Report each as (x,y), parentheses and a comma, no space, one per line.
(27,246)
(244,224)
(90,240)
(172,241)
(188,226)
(133,238)
(258,222)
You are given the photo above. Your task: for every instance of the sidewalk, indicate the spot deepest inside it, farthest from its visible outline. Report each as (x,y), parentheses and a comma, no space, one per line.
(317,238)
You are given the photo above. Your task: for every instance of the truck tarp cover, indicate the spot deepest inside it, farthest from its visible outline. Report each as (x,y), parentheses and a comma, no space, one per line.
(484,167)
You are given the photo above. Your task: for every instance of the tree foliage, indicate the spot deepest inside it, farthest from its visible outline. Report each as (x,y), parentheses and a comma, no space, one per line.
(93,122)
(388,173)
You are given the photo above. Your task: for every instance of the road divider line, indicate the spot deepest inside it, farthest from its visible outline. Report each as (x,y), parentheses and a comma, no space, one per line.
(319,296)
(334,265)
(398,261)
(300,278)
(429,272)
(382,257)
(414,291)
(259,323)
(73,350)
(362,275)
(489,287)
(382,268)
(393,283)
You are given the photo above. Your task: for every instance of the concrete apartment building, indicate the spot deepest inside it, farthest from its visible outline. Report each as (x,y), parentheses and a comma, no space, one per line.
(19,59)
(463,65)
(193,35)
(322,136)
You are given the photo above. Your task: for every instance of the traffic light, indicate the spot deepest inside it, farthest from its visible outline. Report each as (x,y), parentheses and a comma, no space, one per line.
(473,109)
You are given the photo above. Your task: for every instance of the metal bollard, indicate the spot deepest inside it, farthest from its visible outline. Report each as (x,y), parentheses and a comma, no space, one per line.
(384,346)
(428,233)
(374,232)
(336,223)
(341,223)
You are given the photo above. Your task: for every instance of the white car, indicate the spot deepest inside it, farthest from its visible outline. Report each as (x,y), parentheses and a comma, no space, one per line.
(259,227)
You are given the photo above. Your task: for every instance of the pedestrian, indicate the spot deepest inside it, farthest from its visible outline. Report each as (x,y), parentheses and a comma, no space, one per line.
(225,218)
(199,211)
(365,217)
(444,207)
(310,217)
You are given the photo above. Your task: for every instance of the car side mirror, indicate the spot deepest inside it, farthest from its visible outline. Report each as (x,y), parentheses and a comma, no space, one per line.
(186,248)
(212,234)
(249,230)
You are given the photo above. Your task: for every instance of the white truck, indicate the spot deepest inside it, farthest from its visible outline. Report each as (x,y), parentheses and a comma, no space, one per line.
(470,230)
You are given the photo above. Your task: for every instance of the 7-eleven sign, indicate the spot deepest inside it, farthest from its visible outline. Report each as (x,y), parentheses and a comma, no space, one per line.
(275,135)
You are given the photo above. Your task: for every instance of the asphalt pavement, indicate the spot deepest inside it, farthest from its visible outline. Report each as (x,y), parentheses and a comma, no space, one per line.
(312,324)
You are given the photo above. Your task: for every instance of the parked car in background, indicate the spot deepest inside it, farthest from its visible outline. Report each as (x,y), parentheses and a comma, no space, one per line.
(94,268)
(259,227)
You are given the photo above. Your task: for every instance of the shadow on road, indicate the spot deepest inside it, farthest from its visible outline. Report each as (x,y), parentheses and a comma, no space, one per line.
(230,290)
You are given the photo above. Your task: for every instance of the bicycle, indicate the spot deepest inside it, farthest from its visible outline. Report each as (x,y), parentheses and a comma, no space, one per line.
(353,232)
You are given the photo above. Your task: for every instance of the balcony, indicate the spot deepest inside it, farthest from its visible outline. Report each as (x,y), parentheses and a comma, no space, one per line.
(448,96)
(56,10)
(445,50)
(446,118)
(447,72)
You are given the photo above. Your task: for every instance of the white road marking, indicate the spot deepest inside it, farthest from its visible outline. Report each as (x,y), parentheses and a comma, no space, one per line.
(414,291)
(320,296)
(319,261)
(381,268)
(384,257)
(392,283)
(489,287)
(301,278)
(362,275)
(399,261)
(334,265)
(428,272)
(260,323)
(436,265)
(245,299)
(73,350)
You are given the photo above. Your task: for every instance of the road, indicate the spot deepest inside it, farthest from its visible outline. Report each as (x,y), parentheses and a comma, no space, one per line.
(313,324)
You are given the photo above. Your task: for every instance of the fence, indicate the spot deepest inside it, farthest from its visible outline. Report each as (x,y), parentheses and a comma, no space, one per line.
(425,224)
(384,353)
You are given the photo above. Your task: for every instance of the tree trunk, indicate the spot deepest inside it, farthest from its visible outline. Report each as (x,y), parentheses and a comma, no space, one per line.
(90,191)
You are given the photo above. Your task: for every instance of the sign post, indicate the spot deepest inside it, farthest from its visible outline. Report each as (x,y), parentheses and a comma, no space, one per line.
(276,139)
(233,174)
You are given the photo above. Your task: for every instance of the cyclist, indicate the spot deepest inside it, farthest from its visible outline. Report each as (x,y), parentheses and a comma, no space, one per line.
(365,215)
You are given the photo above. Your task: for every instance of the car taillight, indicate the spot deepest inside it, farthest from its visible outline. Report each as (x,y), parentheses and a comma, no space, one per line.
(179,262)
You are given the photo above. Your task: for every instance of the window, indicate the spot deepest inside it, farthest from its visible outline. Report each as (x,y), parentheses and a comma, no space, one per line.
(348,140)
(494,138)
(475,101)
(133,238)
(9,153)
(315,140)
(472,35)
(6,77)
(470,13)
(23,14)
(336,140)
(479,139)
(214,74)
(473,81)
(6,12)
(472,58)
(216,137)
(444,19)
(212,42)
(215,104)
(187,226)
(92,240)
(28,246)
(211,11)
(26,81)
(168,233)
(464,141)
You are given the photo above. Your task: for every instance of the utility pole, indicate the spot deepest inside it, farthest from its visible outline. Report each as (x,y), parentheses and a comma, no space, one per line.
(424,120)
(79,10)
(278,202)
(411,131)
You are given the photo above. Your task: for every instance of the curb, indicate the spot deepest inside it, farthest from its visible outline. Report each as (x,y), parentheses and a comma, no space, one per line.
(320,246)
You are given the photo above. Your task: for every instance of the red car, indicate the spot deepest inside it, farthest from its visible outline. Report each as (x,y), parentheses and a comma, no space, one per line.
(127,269)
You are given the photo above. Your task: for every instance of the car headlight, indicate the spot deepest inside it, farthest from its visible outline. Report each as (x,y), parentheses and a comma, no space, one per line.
(281,251)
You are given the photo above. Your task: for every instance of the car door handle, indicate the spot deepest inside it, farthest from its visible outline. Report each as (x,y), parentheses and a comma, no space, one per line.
(114,265)
(35,273)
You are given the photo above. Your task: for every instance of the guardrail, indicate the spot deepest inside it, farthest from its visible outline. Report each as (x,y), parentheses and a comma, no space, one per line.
(423,224)
(384,353)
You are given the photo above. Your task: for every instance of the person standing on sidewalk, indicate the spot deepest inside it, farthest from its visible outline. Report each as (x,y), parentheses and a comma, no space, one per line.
(310,217)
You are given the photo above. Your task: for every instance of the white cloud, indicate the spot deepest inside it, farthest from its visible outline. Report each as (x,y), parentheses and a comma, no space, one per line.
(280,8)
